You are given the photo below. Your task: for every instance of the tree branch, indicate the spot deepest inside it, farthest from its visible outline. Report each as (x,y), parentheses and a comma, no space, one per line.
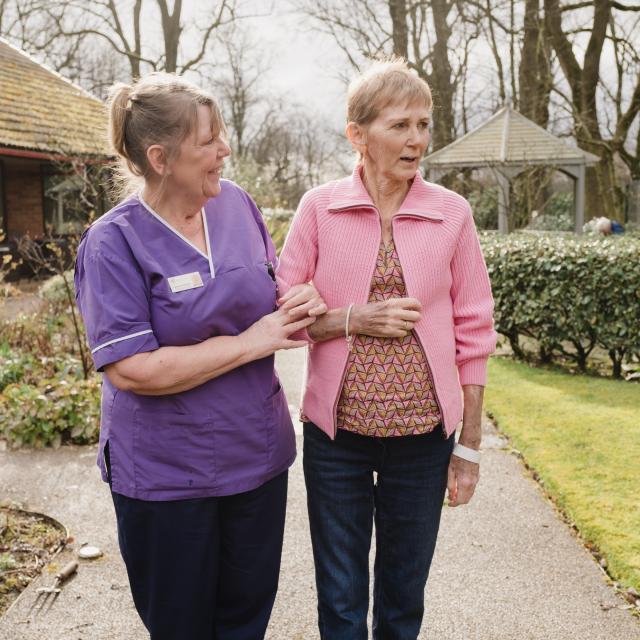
(217,22)
(624,7)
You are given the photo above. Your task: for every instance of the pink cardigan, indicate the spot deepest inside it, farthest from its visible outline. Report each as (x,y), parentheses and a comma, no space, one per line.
(334,240)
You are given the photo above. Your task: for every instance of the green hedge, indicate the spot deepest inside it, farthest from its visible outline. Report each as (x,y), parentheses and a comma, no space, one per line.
(571,294)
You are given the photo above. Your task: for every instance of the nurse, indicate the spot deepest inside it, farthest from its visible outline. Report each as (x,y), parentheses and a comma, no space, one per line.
(177,292)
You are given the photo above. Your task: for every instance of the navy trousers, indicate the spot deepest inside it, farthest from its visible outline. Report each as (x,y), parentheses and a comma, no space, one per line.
(344,499)
(204,569)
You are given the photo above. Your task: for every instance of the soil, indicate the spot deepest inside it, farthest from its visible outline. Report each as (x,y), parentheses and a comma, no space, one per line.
(28,542)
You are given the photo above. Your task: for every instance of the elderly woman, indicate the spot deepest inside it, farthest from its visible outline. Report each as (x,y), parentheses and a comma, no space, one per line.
(398,262)
(177,291)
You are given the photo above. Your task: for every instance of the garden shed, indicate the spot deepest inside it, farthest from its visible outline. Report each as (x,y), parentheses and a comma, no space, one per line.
(509,143)
(47,126)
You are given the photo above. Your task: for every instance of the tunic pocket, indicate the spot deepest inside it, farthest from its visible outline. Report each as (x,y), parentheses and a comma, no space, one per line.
(173,452)
(282,438)
(240,441)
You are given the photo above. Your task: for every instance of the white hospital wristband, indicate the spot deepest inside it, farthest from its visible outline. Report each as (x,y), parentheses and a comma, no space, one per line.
(471,455)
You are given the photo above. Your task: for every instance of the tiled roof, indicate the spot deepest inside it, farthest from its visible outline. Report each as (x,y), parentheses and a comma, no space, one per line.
(41,111)
(508,138)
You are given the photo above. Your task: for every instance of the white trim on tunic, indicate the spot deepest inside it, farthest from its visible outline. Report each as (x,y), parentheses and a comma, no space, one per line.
(131,335)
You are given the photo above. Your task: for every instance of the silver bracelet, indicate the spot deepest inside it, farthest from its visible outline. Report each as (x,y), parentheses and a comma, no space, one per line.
(466,453)
(346,326)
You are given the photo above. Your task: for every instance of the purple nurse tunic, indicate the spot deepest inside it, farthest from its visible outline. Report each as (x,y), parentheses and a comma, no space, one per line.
(140,285)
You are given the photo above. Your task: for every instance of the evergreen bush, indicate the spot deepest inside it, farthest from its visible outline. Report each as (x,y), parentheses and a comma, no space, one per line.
(571,294)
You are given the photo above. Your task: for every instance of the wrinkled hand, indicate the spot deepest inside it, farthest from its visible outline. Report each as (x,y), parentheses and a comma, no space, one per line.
(393,318)
(462,479)
(302,300)
(271,333)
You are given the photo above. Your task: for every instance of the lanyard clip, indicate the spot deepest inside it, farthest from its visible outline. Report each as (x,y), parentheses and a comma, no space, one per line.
(270,270)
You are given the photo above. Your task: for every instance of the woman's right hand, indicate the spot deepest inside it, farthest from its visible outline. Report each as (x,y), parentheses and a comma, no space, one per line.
(271,333)
(393,318)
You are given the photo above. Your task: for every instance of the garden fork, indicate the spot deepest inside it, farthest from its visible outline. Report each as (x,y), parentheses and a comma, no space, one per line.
(49,594)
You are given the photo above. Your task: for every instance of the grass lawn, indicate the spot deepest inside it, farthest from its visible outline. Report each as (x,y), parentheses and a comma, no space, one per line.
(582,436)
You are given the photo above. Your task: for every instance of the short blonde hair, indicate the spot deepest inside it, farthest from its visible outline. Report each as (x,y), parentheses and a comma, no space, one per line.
(385,82)
(160,108)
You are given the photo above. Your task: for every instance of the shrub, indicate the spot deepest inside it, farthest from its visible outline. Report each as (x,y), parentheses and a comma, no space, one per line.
(53,255)
(45,399)
(54,291)
(26,367)
(7,265)
(557,215)
(8,290)
(278,222)
(484,204)
(45,334)
(53,412)
(14,367)
(255,179)
(569,293)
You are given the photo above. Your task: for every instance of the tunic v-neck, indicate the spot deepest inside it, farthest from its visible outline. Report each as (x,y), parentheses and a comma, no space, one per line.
(171,228)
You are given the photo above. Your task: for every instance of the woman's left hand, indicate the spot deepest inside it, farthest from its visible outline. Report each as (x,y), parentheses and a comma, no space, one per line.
(464,475)
(462,480)
(303,300)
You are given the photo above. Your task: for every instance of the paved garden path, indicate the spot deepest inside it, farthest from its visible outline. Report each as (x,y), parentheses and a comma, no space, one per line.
(505,568)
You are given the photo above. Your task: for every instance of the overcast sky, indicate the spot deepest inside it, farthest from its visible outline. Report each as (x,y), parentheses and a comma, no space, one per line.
(305,63)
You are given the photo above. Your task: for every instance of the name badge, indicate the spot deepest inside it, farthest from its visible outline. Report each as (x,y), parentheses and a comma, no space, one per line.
(185,282)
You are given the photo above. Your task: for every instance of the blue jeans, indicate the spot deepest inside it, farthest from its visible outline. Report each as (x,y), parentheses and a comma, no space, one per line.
(344,501)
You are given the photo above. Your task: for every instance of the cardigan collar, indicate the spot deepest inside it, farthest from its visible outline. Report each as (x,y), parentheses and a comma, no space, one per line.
(423,199)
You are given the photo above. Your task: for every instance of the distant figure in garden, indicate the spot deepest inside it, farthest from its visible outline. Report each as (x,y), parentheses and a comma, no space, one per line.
(603,226)
(606,226)
(177,290)
(398,262)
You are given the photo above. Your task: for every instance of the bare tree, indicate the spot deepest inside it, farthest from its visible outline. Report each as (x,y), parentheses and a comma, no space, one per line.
(278,151)
(240,89)
(399,31)
(58,30)
(585,87)
(424,33)
(514,33)
(295,152)
(535,70)
(121,24)
(626,52)
(25,23)
(97,69)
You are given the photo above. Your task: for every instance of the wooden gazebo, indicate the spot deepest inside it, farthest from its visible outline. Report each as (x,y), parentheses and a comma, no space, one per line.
(509,143)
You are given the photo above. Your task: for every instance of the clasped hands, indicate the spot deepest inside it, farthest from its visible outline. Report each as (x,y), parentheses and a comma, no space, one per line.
(302,300)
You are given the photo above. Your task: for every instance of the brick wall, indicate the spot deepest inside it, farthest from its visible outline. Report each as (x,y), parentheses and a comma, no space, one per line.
(23,198)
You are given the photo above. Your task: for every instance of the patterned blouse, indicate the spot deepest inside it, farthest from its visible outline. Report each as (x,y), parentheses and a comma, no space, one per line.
(388,389)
